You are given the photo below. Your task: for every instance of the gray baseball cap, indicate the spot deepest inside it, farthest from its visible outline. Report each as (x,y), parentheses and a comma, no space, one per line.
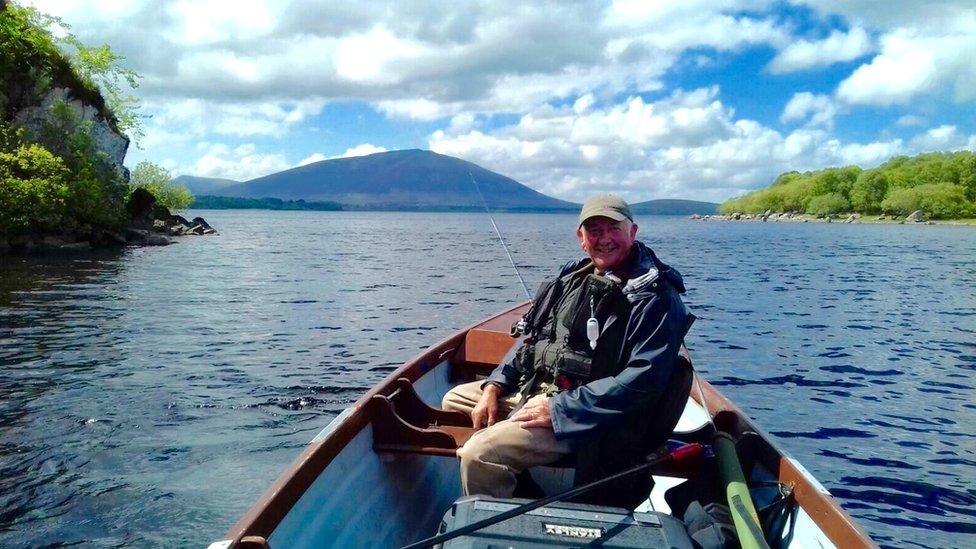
(605,205)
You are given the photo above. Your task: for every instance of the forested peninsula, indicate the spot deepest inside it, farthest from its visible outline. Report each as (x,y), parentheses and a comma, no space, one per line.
(939,185)
(66,113)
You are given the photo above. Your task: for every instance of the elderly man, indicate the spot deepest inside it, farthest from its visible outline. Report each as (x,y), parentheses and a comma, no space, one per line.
(597,373)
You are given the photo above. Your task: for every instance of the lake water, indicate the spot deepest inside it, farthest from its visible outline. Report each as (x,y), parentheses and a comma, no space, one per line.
(147,397)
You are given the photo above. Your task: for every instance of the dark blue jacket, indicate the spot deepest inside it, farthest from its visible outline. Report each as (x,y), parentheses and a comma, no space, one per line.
(654,334)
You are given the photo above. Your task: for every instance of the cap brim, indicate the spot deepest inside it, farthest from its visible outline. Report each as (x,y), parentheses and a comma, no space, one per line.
(607,212)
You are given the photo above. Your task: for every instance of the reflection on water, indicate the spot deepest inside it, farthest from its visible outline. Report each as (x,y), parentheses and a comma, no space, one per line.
(148,396)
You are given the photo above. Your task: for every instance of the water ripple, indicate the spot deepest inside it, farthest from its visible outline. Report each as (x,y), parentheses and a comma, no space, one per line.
(131,397)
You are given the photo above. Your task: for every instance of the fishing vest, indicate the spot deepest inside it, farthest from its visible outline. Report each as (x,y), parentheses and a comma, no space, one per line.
(557,354)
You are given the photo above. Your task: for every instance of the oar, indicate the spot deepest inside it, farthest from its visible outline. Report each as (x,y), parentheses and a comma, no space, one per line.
(681,455)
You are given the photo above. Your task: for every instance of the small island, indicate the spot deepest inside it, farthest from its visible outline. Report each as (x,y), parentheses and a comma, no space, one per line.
(932,186)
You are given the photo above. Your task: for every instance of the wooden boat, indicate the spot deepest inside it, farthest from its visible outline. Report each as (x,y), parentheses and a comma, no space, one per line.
(383,473)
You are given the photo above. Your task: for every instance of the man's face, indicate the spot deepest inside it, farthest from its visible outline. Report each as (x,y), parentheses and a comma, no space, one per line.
(607,242)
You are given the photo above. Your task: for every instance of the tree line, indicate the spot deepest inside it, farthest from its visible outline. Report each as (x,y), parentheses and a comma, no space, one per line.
(208,202)
(941,184)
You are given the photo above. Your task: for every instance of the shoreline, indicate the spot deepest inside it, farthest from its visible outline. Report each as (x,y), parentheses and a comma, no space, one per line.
(853,218)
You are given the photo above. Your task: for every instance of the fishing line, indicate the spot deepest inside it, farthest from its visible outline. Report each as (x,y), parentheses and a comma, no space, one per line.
(510,259)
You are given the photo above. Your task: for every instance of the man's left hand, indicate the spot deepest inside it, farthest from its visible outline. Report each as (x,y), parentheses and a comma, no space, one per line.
(535,413)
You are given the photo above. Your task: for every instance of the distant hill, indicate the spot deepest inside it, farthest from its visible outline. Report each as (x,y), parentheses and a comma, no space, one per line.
(398,180)
(671,206)
(203,185)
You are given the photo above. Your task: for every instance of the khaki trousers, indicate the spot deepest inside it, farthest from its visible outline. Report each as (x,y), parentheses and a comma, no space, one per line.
(493,456)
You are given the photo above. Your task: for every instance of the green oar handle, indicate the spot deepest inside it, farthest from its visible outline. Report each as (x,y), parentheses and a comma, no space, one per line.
(744,515)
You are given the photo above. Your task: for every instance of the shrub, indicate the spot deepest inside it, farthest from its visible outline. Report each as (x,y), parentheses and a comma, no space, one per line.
(157,181)
(33,190)
(98,189)
(827,204)
(938,201)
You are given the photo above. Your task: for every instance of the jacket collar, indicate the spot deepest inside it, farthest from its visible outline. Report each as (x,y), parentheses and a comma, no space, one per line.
(643,259)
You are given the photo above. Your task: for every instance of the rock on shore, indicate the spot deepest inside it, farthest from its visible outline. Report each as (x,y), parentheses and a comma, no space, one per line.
(150,224)
(917,217)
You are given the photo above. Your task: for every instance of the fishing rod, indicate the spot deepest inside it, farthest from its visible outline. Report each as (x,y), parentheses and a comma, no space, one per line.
(497,232)
(679,456)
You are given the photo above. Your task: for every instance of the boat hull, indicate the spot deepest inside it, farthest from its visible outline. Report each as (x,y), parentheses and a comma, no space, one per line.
(341,492)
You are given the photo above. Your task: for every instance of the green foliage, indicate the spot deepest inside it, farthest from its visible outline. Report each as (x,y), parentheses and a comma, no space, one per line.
(100,189)
(157,180)
(54,177)
(868,191)
(937,200)
(827,204)
(33,189)
(101,67)
(833,181)
(39,52)
(787,178)
(77,191)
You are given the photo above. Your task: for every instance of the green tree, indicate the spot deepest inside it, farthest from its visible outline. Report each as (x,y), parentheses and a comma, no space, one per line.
(157,180)
(101,67)
(40,52)
(869,190)
(938,201)
(827,204)
(98,189)
(787,178)
(834,180)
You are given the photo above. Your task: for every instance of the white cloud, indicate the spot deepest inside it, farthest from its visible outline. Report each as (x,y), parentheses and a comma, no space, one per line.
(420,61)
(913,62)
(220,20)
(893,13)
(415,109)
(806,54)
(462,123)
(582,89)
(312,158)
(179,122)
(361,150)
(943,138)
(820,108)
(688,145)
(894,76)
(240,163)
(910,120)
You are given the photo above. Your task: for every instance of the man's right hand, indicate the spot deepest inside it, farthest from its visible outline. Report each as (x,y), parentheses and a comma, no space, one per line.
(485,413)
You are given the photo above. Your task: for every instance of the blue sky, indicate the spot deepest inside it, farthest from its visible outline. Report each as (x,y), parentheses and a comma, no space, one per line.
(652,99)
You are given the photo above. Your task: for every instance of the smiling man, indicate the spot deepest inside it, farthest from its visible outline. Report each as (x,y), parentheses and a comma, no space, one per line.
(596,374)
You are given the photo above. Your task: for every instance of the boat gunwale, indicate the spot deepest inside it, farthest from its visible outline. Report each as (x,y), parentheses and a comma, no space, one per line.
(811,496)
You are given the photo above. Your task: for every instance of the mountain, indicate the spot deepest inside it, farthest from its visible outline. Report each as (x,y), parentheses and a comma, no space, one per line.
(408,180)
(671,206)
(396,180)
(203,185)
